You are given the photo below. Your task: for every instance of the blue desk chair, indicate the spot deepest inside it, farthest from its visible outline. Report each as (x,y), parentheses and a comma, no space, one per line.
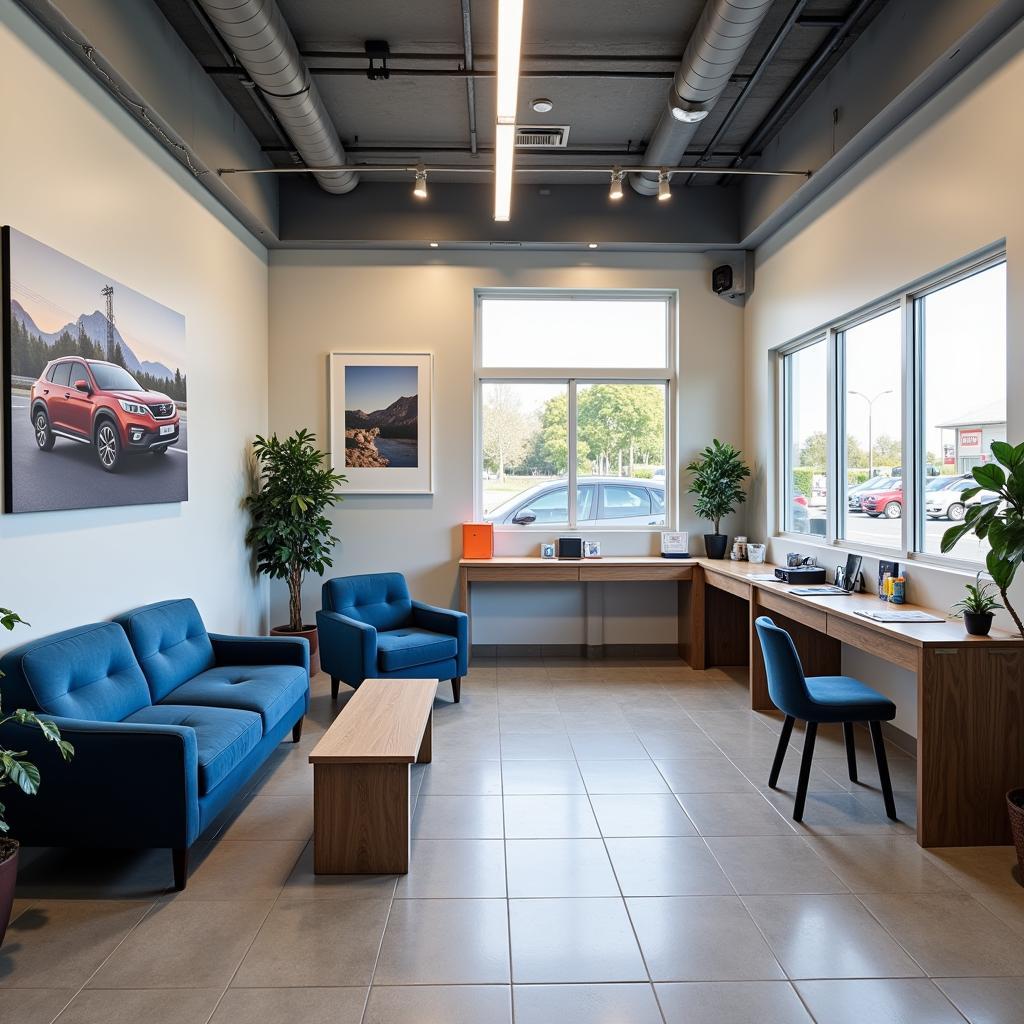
(370,628)
(820,699)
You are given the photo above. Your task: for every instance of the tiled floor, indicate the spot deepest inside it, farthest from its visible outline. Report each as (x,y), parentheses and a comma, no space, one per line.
(593,843)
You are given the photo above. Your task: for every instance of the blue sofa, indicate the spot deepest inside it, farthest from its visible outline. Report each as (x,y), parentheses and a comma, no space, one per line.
(370,628)
(168,722)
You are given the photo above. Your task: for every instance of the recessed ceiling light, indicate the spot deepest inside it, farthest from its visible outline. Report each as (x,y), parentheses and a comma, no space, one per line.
(591,245)
(542,105)
(433,245)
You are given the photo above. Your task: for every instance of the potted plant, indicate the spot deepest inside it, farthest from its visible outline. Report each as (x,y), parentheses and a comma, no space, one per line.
(717,476)
(1001,519)
(978,607)
(17,771)
(290,532)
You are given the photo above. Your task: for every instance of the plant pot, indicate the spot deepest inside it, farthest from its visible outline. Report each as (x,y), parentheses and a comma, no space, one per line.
(978,623)
(8,874)
(715,544)
(1015,807)
(309,633)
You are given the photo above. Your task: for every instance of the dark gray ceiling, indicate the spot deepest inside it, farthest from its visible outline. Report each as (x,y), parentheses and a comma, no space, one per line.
(414,118)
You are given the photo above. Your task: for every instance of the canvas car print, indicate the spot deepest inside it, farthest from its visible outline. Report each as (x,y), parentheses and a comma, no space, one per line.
(381,422)
(95,386)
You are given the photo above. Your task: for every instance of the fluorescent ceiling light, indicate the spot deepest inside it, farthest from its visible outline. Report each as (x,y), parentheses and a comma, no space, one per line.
(504,147)
(510,40)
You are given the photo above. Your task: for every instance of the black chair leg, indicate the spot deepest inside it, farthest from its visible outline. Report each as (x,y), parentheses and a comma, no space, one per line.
(179,859)
(297,731)
(805,771)
(851,750)
(335,685)
(883,769)
(457,689)
(780,753)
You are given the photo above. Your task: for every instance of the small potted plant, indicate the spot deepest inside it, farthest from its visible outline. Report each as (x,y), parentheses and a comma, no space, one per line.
(978,607)
(15,770)
(717,477)
(290,533)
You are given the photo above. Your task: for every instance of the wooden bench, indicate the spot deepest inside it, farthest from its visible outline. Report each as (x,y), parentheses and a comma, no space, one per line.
(361,769)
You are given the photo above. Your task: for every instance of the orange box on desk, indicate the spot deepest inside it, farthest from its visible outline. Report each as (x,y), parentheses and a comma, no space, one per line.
(477,540)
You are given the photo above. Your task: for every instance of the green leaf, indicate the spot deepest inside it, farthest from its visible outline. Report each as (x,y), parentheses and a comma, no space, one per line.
(990,476)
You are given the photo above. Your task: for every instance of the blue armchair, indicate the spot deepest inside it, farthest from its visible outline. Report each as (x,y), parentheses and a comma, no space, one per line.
(370,628)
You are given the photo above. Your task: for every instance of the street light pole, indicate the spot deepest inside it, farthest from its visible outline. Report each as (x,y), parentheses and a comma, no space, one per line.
(871,410)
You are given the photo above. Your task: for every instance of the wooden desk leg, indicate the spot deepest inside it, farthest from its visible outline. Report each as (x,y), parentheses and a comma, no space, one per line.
(425,754)
(759,697)
(691,619)
(464,604)
(361,819)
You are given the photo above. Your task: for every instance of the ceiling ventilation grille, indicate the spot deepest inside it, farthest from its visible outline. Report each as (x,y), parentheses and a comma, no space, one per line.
(542,136)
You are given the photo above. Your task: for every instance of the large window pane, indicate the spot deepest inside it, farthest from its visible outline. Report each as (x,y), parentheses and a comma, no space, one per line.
(873,493)
(525,438)
(962,330)
(806,382)
(620,436)
(574,332)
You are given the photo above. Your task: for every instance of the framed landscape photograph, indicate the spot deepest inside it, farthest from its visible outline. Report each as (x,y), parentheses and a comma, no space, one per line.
(94,386)
(380,422)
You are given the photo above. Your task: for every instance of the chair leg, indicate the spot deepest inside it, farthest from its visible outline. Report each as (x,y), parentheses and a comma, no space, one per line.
(457,689)
(805,771)
(851,750)
(883,769)
(297,730)
(335,684)
(780,753)
(179,860)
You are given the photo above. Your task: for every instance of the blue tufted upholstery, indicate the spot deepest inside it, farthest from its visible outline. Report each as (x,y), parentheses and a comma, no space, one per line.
(409,647)
(170,642)
(380,599)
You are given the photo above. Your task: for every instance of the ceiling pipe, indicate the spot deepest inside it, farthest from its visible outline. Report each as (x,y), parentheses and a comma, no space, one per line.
(467,43)
(716,47)
(259,37)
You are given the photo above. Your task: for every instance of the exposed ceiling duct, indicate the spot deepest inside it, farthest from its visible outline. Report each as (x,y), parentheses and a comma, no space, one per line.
(264,45)
(716,47)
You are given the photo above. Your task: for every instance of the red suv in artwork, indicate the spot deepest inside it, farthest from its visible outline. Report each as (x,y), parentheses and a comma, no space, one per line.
(103,405)
(888,502)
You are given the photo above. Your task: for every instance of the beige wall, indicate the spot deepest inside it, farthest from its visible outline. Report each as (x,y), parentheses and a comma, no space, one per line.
(945,185)
(413,302)
(78,174)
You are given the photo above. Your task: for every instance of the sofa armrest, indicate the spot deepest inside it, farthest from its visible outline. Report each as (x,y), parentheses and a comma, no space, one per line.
(260,650)
(348,647)
(449,622)
(128,785)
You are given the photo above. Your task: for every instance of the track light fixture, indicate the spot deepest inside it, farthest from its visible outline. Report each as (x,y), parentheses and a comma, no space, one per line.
(615,190)
(419,189)
(664,189)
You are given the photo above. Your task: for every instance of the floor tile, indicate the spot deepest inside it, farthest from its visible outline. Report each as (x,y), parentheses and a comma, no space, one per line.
(184,944)
(304,884)
(733,814)
(272,816)
(666,866)
(950,936)
(58,943)
(462,778)
(773,864)
(521,778)
(980,868)
(1007,905)
(882,864)
(701,938)
(291,1006)
(315,943)
(532,746)
(33,1005)
(732,1002)
(240,870)
(986,1000)
(901,1000)
(839,813)
(439,1004)
(486,747)
(681,743)
(454,869)
(607,746)
(586,1004)
(828,937)
(129,1006)
(573,941)
(549,817)
(445,942)
(559,868)
(639,815)
(622,777)
(457,817)
(531,721)
(703,775)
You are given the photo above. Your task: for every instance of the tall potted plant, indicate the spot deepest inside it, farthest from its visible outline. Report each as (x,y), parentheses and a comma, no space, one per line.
(290,532)
(717,477)
(15,770)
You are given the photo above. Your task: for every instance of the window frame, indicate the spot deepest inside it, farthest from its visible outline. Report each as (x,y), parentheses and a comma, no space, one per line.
(912,395)
(572,377)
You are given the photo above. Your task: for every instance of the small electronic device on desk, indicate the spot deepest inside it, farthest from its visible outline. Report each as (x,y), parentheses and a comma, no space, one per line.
(570,547)
(675,544)
(802,574)
(847,578)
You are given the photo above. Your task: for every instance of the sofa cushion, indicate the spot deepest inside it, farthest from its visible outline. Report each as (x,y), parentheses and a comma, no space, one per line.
(89,673)
(269,690)
(171,643)
(223,736)
(379,599)
(405,648)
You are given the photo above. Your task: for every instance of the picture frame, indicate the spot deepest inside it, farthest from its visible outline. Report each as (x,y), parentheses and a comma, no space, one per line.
(591,549)
(381,421)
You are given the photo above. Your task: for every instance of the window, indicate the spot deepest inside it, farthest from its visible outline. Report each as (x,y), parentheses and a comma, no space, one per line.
(898,406)
(589,374)
(61,375)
